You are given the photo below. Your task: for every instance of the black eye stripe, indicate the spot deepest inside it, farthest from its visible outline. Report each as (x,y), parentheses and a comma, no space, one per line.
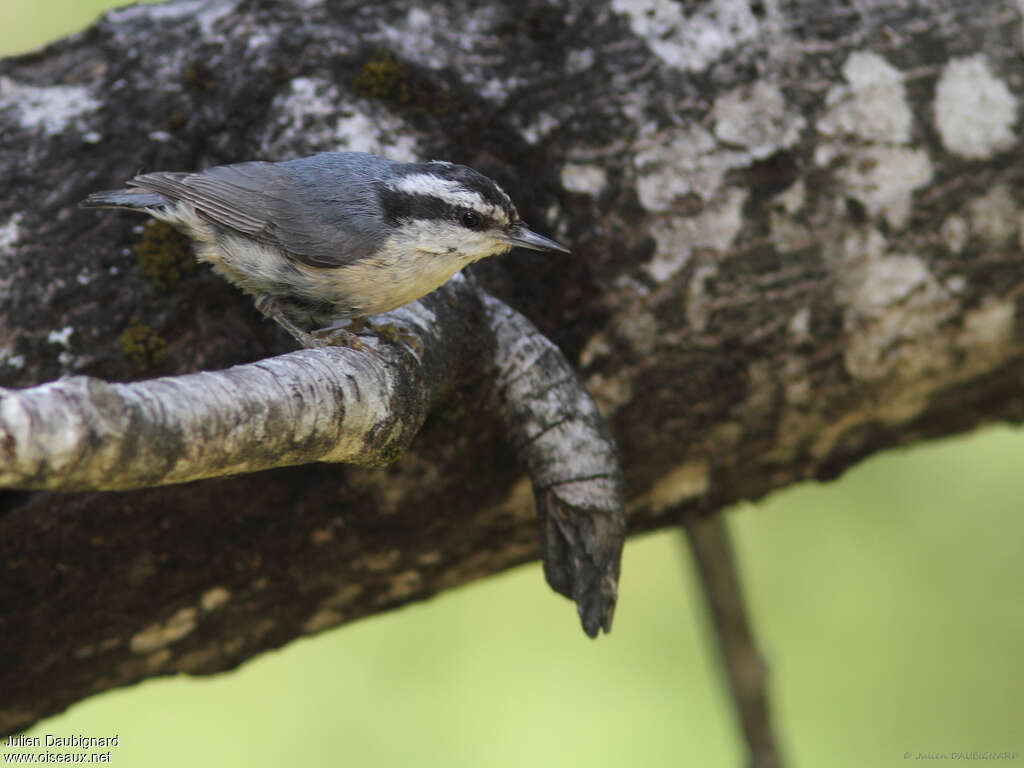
(400,206)
(474,181)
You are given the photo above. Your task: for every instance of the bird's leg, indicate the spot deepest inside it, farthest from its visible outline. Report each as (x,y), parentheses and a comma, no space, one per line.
(325,337)
(356,324)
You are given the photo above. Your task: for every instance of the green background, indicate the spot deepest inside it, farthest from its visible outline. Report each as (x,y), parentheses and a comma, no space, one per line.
(888,603)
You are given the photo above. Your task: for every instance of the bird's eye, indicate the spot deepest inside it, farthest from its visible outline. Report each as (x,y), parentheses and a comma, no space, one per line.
(471,219)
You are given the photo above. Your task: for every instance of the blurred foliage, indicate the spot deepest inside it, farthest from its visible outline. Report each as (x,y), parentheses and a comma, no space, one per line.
(888,604)
(26,24)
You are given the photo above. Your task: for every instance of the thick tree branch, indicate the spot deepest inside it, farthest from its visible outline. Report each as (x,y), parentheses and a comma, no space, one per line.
(796,241)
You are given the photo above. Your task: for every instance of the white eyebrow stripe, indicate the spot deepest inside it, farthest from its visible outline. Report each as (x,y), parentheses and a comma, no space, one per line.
(450,191)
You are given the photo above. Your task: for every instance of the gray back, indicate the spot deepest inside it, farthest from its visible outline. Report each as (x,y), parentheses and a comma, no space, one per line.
(322,210)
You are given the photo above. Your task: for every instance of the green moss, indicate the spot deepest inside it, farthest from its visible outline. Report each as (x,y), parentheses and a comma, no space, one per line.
(164,255)
(390,454)
(142,345)
(383,76)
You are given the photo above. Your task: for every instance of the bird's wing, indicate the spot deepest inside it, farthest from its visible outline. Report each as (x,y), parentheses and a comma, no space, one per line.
(218,200)
(265,202)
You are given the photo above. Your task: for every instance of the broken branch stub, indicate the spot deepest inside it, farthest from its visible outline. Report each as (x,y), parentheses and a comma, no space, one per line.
(573,463)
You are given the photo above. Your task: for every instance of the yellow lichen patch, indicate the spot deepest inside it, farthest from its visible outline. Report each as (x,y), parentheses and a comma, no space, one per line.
(322,536)
(196,661)
(404,584)
(161,634)
(612,391)
(142,345)
(987,336)
(380,562)
(214,598)
(343,596)
(164,255)
(517,504)
(687,481)
(321,620)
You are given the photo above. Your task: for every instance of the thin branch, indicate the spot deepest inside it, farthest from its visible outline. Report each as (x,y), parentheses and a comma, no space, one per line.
(334,404)
(744,666)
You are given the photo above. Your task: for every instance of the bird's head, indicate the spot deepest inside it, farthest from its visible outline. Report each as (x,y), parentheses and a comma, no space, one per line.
(448,209)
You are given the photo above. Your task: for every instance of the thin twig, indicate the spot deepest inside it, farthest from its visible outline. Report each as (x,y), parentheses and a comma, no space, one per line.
(747,673)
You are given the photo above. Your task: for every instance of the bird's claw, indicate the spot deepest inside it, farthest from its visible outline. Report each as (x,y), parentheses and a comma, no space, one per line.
(333,337)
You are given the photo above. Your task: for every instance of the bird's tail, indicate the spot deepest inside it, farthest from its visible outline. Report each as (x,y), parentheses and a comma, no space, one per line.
(135,199)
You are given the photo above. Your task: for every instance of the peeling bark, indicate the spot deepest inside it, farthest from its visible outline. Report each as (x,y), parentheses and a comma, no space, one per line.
(796,241)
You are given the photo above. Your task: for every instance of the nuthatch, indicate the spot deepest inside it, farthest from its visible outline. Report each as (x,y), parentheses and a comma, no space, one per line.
(333,236)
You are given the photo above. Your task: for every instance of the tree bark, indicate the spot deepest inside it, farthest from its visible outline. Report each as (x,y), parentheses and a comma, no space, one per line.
(795,231)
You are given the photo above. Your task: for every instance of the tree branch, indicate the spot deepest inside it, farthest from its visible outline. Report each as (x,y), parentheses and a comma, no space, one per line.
(573,463)
(344,405)
(333,405)
(743,665)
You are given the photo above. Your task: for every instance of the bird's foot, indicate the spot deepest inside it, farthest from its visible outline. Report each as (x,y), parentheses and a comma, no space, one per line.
(323,337)
(334,337)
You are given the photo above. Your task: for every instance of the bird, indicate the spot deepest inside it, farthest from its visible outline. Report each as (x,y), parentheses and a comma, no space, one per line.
(333,236)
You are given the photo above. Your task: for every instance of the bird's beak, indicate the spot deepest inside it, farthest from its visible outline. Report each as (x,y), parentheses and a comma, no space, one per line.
(522,237)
